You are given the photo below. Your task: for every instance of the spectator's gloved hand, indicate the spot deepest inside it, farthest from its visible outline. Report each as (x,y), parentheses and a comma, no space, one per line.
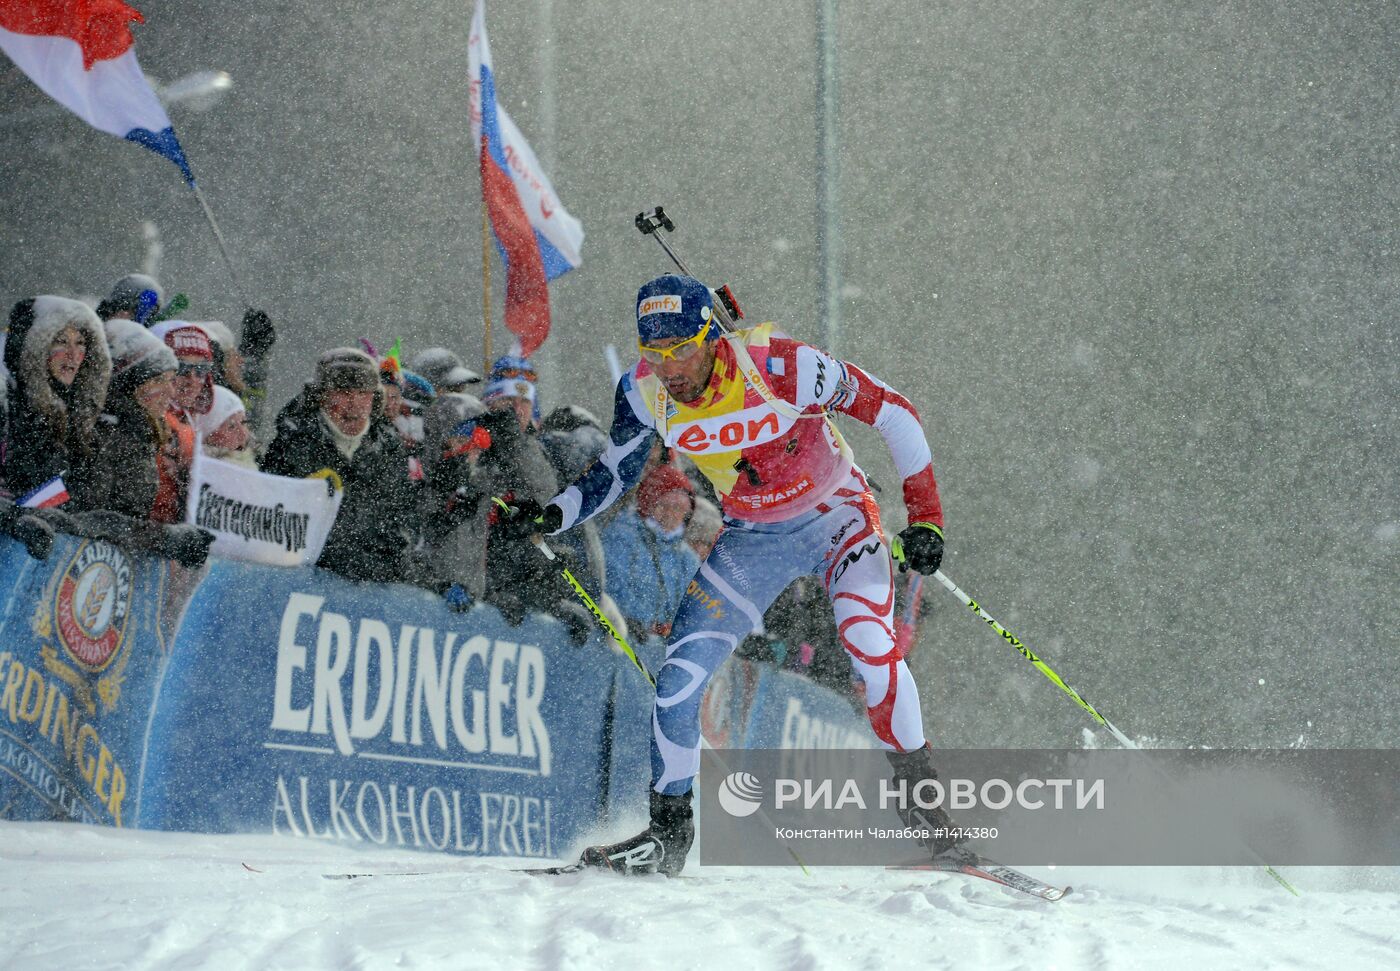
(919,547)
(524,518)
(458,600)
(28,526)
(577,619)
(35,534)
(186,545)
(29,529)
(258,334)
(511,608)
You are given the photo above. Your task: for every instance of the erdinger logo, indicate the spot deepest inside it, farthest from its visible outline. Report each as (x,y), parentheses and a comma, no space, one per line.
(740,794)
(664,304)
(94,597)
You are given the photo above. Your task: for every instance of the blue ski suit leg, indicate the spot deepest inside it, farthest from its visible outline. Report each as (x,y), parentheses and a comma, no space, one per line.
(749,566)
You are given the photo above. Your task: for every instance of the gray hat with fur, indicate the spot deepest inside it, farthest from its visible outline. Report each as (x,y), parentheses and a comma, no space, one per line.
(346,369)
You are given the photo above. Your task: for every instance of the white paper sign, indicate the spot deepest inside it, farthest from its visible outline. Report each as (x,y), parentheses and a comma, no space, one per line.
(259,517)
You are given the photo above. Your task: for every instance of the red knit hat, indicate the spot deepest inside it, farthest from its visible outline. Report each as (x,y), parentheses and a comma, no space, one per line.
(658,482)
(189,341)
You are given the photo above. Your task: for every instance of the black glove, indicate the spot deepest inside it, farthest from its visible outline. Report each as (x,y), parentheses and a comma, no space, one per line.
(186,545)
(29,527)
(258,334)
(578,620)
(523,518)
(919,547)
(35,534)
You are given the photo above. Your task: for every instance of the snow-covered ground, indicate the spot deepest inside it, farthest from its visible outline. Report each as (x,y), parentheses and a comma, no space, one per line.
(76,897)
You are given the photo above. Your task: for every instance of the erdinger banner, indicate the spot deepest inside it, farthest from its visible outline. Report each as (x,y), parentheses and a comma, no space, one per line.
(259,517)
(83,640)
(301,704)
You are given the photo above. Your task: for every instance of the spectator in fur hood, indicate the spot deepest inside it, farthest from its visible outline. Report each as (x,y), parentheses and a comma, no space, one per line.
(132,430)
(56,355)
(332,425)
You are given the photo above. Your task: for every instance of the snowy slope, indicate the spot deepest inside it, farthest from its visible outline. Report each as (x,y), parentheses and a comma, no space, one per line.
(78,897)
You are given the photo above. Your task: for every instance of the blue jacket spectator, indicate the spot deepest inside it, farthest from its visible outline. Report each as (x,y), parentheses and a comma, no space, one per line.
(649,563)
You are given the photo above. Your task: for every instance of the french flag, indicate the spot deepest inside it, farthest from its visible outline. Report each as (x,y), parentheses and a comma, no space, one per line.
(80,53)
(47,496)
(538,239)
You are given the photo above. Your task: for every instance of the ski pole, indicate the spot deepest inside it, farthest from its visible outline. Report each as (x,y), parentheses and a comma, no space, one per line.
(1030,655)
(1046,670)
(608,626)
(587,601)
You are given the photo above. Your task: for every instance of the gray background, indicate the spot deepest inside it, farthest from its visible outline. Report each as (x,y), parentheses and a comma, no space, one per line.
(1136,264)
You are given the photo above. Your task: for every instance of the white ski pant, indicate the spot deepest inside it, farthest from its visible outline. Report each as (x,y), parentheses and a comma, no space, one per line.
(749,566)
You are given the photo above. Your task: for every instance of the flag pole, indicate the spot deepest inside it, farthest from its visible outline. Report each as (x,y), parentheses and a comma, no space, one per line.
(219,238)
(485,290)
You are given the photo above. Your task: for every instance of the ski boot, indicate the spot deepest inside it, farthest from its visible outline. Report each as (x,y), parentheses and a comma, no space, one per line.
(911,768)
(661,848)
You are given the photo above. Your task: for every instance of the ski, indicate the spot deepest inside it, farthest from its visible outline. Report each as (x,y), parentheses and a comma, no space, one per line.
(969,863)
(366,874)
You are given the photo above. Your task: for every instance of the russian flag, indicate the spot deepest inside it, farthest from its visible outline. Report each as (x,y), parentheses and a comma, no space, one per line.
(538,239)
(80,53)
(50,494)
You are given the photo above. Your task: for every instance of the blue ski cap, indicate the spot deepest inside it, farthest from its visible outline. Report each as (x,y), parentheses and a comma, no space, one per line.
(673,306)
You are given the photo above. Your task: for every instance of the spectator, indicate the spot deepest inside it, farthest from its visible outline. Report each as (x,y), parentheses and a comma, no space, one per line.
(518,578)
(228,361)
(514,394)
(255,351)
(649,564)
(573,440)
(444,370)
(517,460)
(331,425)
(391,383)
(455,500)
(703,528)
(134,297)
(193,395)
(515,368)
(132,430)
(223,430)
(56,355)
(417,396)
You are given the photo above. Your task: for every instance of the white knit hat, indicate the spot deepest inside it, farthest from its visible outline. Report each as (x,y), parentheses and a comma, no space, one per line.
(226,405)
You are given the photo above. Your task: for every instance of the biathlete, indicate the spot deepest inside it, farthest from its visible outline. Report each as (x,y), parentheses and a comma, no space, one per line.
(750,409)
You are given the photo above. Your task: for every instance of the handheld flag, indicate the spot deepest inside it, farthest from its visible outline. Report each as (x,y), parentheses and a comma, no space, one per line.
(81,55)
(47,496)
(537,238)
